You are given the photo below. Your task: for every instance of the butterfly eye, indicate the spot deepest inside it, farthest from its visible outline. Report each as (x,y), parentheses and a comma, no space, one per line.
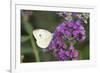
(40,35)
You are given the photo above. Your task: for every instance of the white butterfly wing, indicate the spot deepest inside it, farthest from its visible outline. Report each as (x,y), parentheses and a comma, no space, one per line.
(43,37)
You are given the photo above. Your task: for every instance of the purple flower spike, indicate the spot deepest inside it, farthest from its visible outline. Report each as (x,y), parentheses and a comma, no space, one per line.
(74,54)
(74,13)
(62,14)
(69,31)
(67,53)
(75,33)
(70,23)
(78,22)
(71,47)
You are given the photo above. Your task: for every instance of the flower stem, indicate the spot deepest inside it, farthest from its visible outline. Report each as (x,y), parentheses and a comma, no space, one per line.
(35,49)
(28,28)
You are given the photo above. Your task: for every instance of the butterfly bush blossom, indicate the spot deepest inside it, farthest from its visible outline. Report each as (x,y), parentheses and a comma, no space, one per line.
(71,31)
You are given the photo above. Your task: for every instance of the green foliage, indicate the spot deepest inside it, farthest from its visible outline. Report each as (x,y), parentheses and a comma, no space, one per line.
(24,38)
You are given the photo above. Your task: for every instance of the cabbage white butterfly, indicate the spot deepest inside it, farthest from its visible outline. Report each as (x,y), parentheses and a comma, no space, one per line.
(43,37)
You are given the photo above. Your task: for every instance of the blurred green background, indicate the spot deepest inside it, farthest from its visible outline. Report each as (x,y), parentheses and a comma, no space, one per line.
(48,20)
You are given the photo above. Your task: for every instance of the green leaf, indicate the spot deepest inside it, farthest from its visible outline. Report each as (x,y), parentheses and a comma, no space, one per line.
(35,49)
(85,53)
(26,47)
(24,38)
(28,27)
